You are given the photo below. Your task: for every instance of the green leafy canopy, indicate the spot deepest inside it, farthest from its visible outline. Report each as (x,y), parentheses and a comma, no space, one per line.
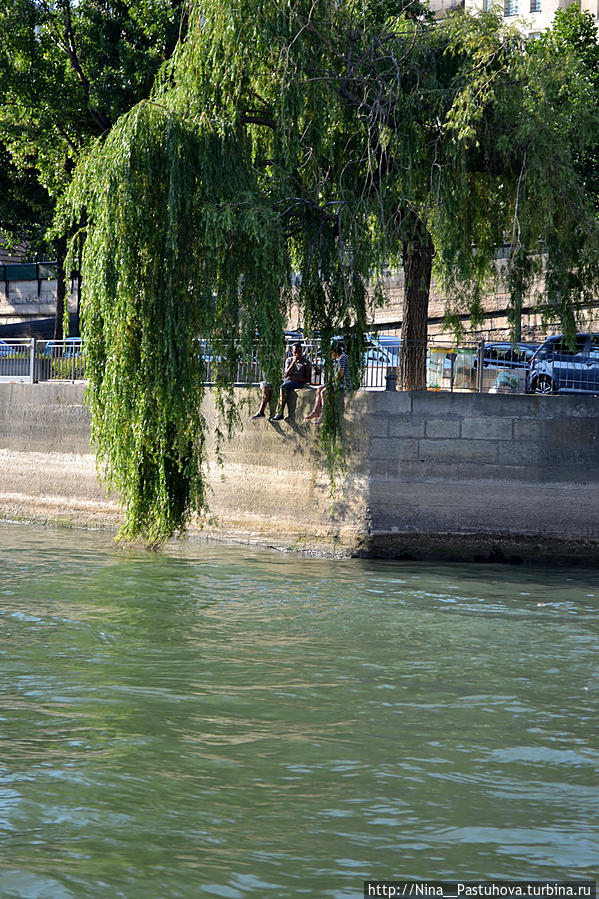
(322,139)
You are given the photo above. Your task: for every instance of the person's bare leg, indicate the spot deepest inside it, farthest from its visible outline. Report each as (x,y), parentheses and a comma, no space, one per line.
(282,403)
(317,404)
(282,400)
(266,395)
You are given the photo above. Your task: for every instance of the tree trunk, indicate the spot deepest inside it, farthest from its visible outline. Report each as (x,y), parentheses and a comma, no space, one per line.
(60,245)
(517,317)
(517,280)
(418,253)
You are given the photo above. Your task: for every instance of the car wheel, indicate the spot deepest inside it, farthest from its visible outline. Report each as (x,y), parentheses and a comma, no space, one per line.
(543,385)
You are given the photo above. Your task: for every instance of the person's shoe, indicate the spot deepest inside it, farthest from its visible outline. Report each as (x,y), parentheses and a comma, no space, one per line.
(318,421)
(312,415)
(278,417)
(258,415)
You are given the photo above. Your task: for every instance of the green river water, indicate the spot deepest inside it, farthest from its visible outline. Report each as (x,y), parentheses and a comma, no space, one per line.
(234,722)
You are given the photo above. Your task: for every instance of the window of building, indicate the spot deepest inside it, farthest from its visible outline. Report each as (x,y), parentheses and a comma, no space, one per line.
(510,8)
(533,35)
(535,5)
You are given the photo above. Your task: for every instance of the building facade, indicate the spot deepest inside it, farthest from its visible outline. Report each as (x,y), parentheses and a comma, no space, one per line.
(530,16)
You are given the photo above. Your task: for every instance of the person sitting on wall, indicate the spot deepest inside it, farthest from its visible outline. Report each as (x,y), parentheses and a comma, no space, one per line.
(341,375)
(297,373)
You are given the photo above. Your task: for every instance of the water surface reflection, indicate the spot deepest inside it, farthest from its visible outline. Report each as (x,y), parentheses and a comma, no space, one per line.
(236,722)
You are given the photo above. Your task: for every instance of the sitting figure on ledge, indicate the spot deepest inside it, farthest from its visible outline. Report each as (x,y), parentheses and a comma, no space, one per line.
(341,375)
(297,374)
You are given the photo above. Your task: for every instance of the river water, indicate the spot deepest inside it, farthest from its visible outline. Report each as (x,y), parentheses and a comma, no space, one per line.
(233,722)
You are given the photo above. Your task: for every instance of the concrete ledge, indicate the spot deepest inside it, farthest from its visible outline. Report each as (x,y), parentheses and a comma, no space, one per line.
(429,475)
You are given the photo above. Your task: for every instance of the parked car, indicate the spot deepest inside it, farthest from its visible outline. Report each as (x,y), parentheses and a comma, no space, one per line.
(388,341)
(503,354)
(504,366)
(68,348)
(377,359)
(558,367)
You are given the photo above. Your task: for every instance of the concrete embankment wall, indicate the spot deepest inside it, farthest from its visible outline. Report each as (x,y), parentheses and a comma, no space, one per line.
(430,475)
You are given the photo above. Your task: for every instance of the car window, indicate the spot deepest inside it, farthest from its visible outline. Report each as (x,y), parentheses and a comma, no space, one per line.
(561,347)
(523,353)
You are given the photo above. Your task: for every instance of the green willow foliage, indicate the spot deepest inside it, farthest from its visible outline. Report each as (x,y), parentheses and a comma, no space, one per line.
(195,216)
(326,139)
(148,191)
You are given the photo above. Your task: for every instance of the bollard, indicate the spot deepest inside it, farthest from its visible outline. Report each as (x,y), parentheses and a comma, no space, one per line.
(480,356)
(452,358)
(32,377)
(391,379)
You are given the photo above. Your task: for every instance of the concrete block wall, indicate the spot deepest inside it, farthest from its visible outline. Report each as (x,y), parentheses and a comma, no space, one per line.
(429,475)
(486,475)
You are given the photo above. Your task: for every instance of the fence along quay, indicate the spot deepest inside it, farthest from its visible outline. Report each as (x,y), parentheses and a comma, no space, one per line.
(496,367)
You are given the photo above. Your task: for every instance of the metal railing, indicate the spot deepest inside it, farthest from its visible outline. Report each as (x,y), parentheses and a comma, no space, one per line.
(483,367)
(30,360)
(474,367)
(443,366)
(27,271)
(17,359)
(59,360)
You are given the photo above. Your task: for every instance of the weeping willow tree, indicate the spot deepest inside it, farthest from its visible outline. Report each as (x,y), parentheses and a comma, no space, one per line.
(198,208)
(322,139)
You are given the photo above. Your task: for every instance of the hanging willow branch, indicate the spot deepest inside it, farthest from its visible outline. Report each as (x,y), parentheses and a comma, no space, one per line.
(325,139)
(185,236)
(149,191)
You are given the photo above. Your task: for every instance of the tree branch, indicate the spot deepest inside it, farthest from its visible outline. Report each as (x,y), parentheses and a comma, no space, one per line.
(67,42)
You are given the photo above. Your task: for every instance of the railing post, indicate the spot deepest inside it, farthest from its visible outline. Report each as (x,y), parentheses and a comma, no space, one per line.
(479,366)
(32,360)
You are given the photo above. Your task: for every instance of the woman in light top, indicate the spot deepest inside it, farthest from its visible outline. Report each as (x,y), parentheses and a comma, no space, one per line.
(341,375)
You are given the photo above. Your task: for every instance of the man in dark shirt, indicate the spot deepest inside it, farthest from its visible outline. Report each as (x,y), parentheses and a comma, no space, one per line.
(297,373)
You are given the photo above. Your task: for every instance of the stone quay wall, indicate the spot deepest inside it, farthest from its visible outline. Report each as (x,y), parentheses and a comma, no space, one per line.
(429,475)
(26,301)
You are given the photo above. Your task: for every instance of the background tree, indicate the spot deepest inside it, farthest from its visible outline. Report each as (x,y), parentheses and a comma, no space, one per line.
(573,35)
(323,139)
(26,210)
(68,70)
